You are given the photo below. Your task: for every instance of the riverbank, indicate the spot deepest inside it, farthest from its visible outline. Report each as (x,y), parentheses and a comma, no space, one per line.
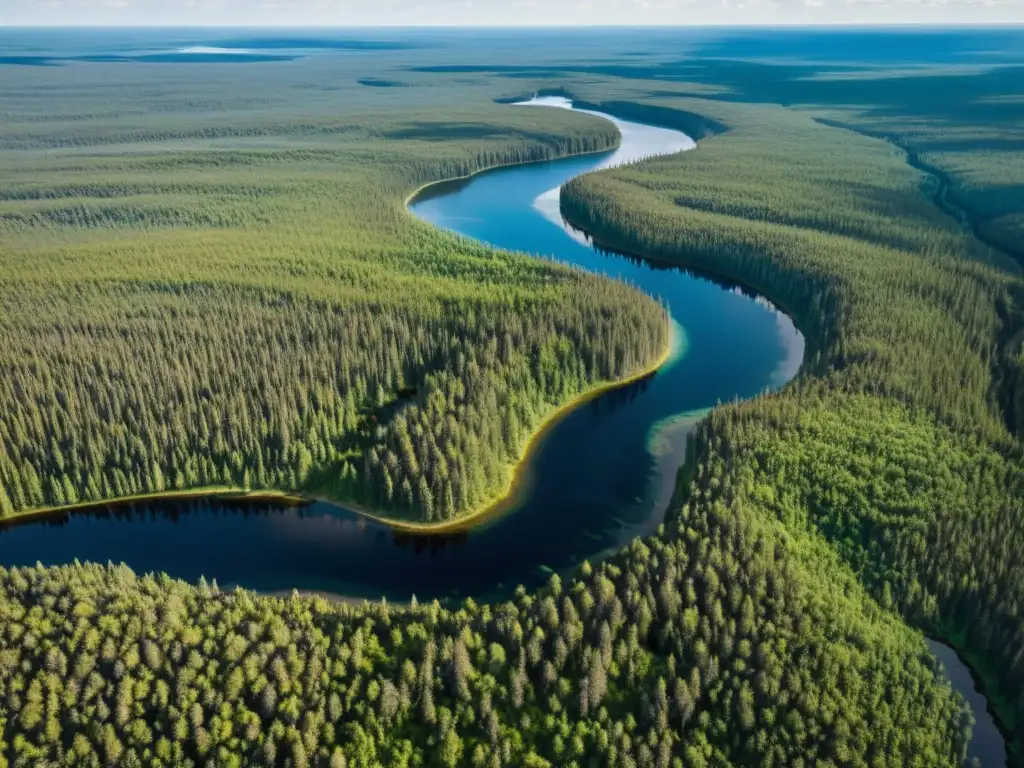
(221,492)
(998,709)
(518,483)
(413,196)
(513,492)
(744,284)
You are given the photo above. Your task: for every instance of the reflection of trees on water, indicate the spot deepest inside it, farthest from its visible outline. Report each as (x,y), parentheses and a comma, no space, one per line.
(791,338)
(431,544)
(146,511)
(609,402)
(665,266)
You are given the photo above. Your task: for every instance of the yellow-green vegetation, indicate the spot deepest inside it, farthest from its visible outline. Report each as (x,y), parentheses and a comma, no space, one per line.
(200,296)
(727,641)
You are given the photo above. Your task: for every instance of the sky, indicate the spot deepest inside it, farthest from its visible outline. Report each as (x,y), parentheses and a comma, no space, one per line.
(361,13)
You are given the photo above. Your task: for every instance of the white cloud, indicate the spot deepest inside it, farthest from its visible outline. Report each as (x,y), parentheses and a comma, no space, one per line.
(503,12)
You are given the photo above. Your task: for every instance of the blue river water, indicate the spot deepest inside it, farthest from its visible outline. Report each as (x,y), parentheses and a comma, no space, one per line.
(987,745)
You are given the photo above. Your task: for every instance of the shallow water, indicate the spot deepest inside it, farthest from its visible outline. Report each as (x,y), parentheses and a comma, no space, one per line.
(601,476)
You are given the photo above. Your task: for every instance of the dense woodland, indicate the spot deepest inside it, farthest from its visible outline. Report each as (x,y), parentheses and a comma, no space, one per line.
(212,326)
(231,291)
(201,386)
(900,445)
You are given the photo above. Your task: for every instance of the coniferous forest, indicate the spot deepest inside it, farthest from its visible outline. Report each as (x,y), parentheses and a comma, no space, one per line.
(900,444)
(209,279)
(250,318)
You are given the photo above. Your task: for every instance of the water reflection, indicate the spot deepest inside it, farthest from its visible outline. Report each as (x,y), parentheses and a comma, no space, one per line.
(987,745)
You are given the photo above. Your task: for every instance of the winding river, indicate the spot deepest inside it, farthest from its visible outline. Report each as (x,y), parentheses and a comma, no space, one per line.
(601,476)
(987,744)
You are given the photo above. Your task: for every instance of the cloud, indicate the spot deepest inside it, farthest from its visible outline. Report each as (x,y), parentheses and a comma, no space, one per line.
(497,12)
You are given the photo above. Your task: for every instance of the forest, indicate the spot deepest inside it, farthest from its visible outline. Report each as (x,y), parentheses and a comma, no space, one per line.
(216,323)
(221,286)
(900,444)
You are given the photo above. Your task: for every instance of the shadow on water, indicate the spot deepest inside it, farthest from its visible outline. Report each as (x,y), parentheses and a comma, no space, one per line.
(987,744)
(601,476)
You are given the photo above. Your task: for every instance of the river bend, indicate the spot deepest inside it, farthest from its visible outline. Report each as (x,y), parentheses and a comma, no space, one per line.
(601,476)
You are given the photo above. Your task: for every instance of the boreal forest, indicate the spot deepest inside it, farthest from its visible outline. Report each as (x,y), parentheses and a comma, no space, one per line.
(210,281)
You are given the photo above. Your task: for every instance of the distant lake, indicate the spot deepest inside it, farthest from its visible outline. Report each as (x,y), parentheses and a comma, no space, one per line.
(60,46)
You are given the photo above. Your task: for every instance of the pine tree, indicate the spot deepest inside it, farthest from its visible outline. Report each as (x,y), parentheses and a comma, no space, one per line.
(6,507)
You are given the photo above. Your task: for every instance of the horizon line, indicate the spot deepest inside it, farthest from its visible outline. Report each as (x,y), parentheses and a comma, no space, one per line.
(987,24)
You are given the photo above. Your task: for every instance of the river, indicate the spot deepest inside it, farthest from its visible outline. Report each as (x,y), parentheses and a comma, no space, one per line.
(601,476)
(987,745)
